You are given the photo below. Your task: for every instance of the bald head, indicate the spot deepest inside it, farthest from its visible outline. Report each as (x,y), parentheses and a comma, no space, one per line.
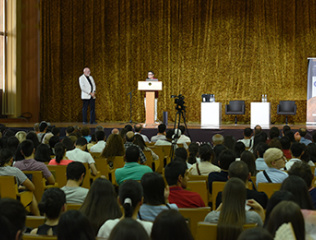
(138,127)
(129,136)
(115,131)
(86,71)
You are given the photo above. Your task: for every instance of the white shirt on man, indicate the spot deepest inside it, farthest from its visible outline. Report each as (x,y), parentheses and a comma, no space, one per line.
(98,147)
(79,156)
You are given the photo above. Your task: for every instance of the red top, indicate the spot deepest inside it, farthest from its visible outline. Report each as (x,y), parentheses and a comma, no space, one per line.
(287,153)
(184,198)
(62,162)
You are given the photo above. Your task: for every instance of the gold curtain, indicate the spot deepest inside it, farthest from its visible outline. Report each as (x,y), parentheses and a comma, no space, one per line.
(235,49)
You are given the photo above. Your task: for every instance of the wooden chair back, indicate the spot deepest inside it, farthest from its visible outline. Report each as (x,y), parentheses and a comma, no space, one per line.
(73,206)
(118,162)
(39,183)
(193,216)
(27,236)
(102,166)
(216,188)
(59,172)
(199,187)
(34,221)
(269,188)
(159,151)
(198,177)
(150,161)
(86,181)
(95,154)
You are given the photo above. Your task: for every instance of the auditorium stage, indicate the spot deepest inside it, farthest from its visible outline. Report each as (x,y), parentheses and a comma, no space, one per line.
(196,132)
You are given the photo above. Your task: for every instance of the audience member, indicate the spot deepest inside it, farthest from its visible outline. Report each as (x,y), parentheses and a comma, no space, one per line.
(115,131)
(225,159)
(130,198)
(69,130)
(114,147)
(127,229)
(123,134)
(47,136)
(275,143)
(194,153)
(176,139)
(167,141)
(156,195)
(260,150)
(239,149)
(73,225)
(85,132)
(170,224)
(60,155)
(260,137)
(139,141)
(274,133)
(52,142)
(68,143)
(181,153)
(138,128)
(128,127)
(52,205)
(76,172)
(205,167)
(217,139)
(297,150)
(30,164)
(132,169)
(248,139)
(42,130)
(217,150)
(229,142)
(12,144)
(257,129)
(100,204)
(286,144)
(130,136)
(42,153)
(21,136)
(257,233)
(176,175)
(249,158)
(275,160)
(79,154)
(56,131)
(161,135)
(33,137)
(183,138)
(100,145)
(303,132)
(311,151)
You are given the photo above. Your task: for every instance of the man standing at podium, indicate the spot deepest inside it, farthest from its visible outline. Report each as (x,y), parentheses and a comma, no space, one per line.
(88,90)
(150,77)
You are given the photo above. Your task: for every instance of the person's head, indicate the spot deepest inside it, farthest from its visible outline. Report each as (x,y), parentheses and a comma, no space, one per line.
(5,156)
(161,128)
(130,136)
(42,153)
(68,143)
(139,141)
(73,225)
(298,188)
(169,134)
(290,135)
(81,142)
(206,153)
(21,135)
(297,149)
(56,131)
(132,154)
(181,153)
(150,74)
(249,158)
(261,149)
(193,152)
(248,132)
(52,203)
(310,150)
(275,143)
(260,137)
(86,71)
(257,129)
(257,233)
(53,141)
(138,127)
(274,158)
(69,130)
(285,212)
(114,146)
(218,149)
(33,137)
(47,137)
(285,143)
(100,135)
(303,170)
(239,169)
(229,142)
(12,213)
(154,188)
(302,132)
(239,148)
(275,199)
(177,133)
(43,126)
(27,148)
(170,225)
(182,129)
(127,229)
(217,139)
(12,143)
(85,131)
(115,131)
(225,159)
(60,151)
(75,171)
(36,127)
(176,174)
(100,203)
(128,127)
(130,197)
(286,128)
(274,133)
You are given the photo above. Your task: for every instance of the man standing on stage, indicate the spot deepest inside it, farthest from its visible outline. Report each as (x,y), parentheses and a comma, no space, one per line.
(88,91)
(152,78)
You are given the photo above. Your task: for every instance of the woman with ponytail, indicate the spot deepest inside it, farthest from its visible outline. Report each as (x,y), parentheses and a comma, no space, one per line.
(130,198)
(60,153)
(52,205)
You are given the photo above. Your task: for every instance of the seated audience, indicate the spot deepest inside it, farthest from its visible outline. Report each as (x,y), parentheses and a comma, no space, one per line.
(52,142)
(114,147)
(181,153)
(248,139)
(52,205)
(224,160)
(257,129)
(275,160)
(68,143)
(194,153)
(76,172)
(21,136)
(101,204)
(79,154)
(260,137)
(217,139)
(156,195)
(130,198)
(33,137)
(47,136)
(85,132)
(100,145)
(273,133)
(60,155)
(303,132)
(311,152)
(30,164)
(42,153)
(130,136)
(257,233)
(167,141)
(240,170)
(170,224)
(161,135)
(42,130)
(73,225)
(115,131)
(138,128)
(297,150)
(132,169)
(239,149)
(183,138)
(127,229)
(260,163)
(205,166)
(287,212)
(176,175)
(275,143)
(249,158)
(229,142)
(139,141)
(176,138)
(286,144)
(231,214)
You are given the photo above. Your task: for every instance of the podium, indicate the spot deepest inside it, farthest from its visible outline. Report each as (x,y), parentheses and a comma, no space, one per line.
(211,114)
(150,87)
(260,114)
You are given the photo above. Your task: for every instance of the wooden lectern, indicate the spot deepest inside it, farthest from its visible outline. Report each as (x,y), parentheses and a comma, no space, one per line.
(150,87)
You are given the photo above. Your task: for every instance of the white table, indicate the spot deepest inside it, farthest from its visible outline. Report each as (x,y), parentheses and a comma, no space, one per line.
(260,114)
(211,114)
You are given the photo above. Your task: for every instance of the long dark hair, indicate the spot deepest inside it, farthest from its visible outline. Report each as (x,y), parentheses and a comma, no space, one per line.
(138,140)
(101,203)
(130,194)
(127,229)
(250,160)
(60,150)
(53,200)
(193,152)
(154,188)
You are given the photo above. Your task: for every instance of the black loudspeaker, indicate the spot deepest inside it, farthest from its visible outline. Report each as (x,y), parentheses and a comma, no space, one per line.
(165,118)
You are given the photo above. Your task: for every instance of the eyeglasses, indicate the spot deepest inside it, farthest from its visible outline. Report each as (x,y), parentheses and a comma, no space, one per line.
(282,158)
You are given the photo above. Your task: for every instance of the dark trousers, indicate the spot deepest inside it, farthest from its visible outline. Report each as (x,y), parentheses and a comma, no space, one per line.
(86,103)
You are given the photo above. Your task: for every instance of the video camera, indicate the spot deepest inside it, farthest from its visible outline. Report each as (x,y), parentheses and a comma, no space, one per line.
(179,101)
